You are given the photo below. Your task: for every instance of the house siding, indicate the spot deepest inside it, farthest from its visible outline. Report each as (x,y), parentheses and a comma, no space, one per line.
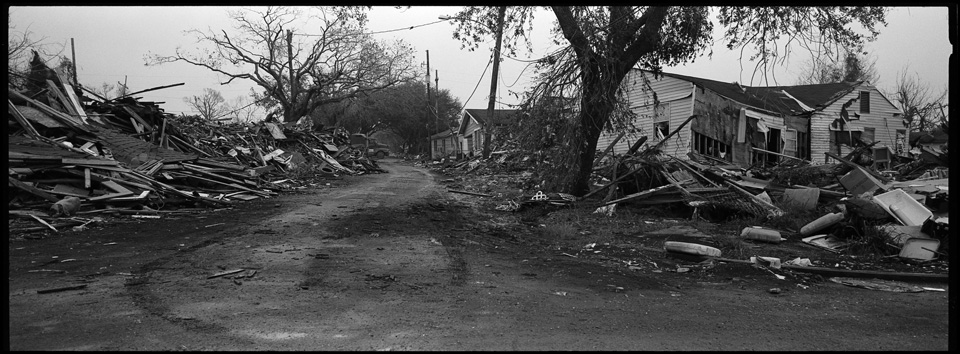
(677,104)
(881,118)
(473,130)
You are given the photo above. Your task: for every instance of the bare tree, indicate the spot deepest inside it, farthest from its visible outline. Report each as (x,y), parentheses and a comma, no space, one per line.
(20,46)
(210,105)
(855,66)
(243,110)
(301,71)
(923,108)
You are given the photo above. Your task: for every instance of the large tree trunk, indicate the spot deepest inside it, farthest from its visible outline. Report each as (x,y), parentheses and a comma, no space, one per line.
(593,115)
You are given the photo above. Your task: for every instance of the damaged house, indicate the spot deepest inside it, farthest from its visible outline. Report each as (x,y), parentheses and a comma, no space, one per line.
(473,124)
(759,125)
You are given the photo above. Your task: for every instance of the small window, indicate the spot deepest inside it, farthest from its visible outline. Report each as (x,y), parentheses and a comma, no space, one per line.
(662,129)
(846,137)
(864,102)
(869,134)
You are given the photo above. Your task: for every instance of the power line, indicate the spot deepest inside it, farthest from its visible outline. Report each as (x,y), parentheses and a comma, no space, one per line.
(377,32)
(478,84)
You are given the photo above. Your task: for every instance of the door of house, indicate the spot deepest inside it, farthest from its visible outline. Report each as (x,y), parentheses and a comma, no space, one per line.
(774,144)
(790,142)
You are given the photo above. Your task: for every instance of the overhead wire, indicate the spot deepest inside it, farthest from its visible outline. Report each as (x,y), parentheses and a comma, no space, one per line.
(478,84)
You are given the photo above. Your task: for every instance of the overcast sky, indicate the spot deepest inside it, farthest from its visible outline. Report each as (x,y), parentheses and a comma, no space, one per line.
(111,43)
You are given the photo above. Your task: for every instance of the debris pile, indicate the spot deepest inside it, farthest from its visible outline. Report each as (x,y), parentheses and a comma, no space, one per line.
(70,154)
(862,203)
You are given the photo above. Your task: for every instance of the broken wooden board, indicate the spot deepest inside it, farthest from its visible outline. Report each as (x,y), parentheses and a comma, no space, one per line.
(115,187)
(220,274)
(68,190)
(275,131)
(33,190)
(75,101)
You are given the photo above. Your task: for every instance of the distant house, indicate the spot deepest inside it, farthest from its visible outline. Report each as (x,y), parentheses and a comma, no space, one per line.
(747,125)
(474,122)
(444,144)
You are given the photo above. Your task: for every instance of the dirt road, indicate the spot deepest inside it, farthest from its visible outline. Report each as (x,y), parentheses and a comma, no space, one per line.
(394,262)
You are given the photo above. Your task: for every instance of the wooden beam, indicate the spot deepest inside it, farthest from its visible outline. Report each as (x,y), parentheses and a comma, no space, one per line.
(609,147)
(86,178)
(136,116)
(778,154)
(638,195)
(76,102)
(33,190)
(62,98)
(12,109)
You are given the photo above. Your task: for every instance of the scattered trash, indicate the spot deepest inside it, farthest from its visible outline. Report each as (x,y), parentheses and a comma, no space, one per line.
(771,262)
(799,262)
(774,290)
(761,234)
(878,284)
(821,223)
(220,274)
(67,206)
(691,248)
(920,249)
(826,242)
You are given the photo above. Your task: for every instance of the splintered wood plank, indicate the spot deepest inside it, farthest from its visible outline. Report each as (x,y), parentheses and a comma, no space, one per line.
(64,101)
(12,109)
(136,116)
(65,189)
(116,187)
(76,102)
(110,196)
(93,162)
(86,178)
(33,190)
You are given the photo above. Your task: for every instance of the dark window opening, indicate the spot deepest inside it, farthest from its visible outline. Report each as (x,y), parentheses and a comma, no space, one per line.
(864,102)
(706,145)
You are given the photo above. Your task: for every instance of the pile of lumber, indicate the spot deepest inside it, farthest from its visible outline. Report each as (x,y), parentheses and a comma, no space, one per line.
(128,154)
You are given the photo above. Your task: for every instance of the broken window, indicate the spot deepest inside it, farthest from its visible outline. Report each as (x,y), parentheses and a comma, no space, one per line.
(662,129)
(868,135)
(864,102)
(706,145)
(846,137)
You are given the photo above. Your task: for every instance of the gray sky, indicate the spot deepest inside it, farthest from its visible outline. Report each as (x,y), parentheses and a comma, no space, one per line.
(111,43)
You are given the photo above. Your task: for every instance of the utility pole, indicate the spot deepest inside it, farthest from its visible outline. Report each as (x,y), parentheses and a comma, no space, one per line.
(293,84)
(493,84)
(428,94)
(73,58)
(436,103)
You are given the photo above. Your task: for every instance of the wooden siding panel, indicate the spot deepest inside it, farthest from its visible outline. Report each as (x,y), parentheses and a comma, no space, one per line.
(881,118)
(675,93)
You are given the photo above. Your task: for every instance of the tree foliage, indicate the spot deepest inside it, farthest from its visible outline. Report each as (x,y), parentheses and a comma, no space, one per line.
(296,70)
(401,109)
(608,42)
(210,105)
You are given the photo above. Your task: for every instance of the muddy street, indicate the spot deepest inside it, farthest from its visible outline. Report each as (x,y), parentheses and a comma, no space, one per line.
(394,262)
